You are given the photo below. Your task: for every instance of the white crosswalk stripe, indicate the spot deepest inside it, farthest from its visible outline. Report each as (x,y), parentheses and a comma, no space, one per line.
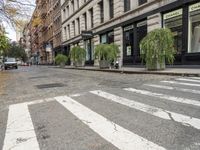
(158,112)
(189,80)
(115,134)
(166,97)
(173,88)
(20,134)
(197,78)
(181,83)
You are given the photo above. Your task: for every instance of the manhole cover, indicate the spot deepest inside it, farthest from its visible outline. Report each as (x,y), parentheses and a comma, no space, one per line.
(52,85)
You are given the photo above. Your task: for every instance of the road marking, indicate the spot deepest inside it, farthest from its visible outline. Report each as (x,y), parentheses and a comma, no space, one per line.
(181,83)
(197,78)
(173,88)
(20,134)
(158,112)
(113,133)
(190,80)
(166,97)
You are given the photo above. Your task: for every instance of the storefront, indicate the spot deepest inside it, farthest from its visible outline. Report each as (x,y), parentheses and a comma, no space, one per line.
(133,34)
(184,22)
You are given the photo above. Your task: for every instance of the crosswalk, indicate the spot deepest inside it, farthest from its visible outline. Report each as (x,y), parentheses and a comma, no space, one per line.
(21,133)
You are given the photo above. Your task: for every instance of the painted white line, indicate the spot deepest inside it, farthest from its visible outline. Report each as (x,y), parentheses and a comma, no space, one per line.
(181,83)
(187,79)
(166,97)
(197,78)
(20,134)
(173,88)
(113,133)
(158,112)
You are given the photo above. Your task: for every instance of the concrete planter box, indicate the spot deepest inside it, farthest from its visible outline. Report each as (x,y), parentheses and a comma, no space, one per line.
(104,64)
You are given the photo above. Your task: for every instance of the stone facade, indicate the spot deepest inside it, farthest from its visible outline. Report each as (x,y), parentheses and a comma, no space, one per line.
(72,29)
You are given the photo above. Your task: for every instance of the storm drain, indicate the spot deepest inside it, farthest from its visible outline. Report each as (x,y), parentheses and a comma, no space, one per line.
(52,85)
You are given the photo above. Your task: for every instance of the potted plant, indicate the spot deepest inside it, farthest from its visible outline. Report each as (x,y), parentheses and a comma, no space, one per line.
(61,60)
(77,55)
(106,54)
(157,47)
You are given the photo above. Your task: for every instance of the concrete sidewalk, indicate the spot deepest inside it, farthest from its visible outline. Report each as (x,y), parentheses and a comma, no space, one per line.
(175,71)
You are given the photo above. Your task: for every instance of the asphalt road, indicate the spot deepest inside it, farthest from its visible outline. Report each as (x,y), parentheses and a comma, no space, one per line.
(61,109)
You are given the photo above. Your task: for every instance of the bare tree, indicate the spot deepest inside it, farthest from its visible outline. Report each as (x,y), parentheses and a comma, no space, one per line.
(14,12)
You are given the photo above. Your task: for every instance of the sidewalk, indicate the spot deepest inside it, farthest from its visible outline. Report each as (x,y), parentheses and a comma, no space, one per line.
(175,71)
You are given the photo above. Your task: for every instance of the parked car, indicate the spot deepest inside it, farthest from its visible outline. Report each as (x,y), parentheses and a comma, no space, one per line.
(10,63)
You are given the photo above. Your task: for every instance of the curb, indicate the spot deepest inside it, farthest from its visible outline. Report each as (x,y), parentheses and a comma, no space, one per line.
(135,72)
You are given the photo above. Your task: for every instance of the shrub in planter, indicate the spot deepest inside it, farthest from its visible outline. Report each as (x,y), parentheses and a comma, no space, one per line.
(77,55)
(157,47)
(61,60)
(106,54)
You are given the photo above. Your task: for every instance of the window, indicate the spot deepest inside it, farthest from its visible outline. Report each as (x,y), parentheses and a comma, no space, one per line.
(173,20)
(194,28)
(141,33)
(72,5)
(127,5)
(78,25)
(65,32)
(101,12)
(107,37)
(68,11)
(78,4)
(73,26)
(68,27)
(111,5)
(85,20)
(91,13)
(140,2)
(129,40)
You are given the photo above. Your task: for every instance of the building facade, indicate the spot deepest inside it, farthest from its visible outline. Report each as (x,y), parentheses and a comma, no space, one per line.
(88,23)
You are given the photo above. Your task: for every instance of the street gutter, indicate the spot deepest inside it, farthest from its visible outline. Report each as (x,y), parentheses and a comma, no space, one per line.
(132,71)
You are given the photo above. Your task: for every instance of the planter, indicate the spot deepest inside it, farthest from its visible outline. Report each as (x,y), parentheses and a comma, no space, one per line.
(103,64)
(62,65)
(156,65)
(79,64)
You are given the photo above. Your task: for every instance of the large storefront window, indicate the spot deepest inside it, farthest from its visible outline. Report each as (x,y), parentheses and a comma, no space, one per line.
(89,47)
(129,38)
(194,28)
(173,20)
(141,33)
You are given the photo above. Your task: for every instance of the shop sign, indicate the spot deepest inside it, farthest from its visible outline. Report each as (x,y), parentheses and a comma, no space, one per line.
(143,23)
(87,34)
(128,28)
(173,14)
(194,7)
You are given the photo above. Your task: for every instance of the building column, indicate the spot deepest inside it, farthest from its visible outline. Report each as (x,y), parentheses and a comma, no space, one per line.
(134,4)
(97,18)
(71,30)
(154,22)
(96,40)
(89,23)
(75,5)
(118,39)
(82,23)
(106,10)
(118,7)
